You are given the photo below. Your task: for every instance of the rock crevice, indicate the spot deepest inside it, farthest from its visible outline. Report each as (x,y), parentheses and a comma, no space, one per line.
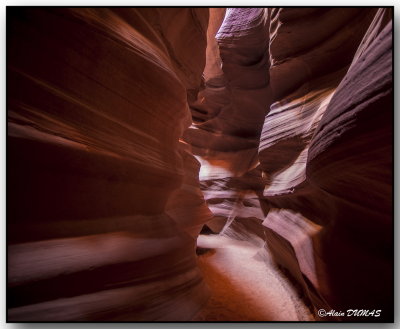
(261,136)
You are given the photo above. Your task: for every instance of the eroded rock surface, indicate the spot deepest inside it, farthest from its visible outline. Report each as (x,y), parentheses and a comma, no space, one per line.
(126,134)
(97,103)
(321,181)
(228,115)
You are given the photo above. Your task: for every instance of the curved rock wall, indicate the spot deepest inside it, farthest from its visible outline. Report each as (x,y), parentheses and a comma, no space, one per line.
(320,185)
(126,134)
(228,115)
(345,199)
(96,105)
(351,160)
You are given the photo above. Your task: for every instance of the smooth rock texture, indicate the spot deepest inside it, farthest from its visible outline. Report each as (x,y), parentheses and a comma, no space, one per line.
(351,158)
(321,182)
(228,115)
(97,102)
(349,193)
(205,164)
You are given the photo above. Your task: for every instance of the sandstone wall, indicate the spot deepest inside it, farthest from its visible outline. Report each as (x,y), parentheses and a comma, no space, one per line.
(97,102)
(129,129)
(320,185)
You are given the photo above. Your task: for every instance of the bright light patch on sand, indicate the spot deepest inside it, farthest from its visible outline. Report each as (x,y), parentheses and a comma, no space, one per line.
(210,170)
(246,284)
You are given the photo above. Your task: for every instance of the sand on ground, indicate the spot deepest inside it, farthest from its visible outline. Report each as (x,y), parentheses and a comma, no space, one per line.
(245,284)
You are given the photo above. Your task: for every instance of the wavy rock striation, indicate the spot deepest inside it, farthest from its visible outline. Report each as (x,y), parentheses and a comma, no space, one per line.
(228,115)
(321,181)
(351,159)
(127,134)
(97,103)
(350,190)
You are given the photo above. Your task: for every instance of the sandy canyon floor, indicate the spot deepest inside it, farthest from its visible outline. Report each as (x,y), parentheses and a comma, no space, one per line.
(246,285)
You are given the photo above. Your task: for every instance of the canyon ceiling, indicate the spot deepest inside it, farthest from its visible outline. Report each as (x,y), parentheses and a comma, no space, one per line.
(144,142)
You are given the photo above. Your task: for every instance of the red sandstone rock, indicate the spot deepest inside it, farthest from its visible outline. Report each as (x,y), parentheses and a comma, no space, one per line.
(354,177)
(351,159)
(229,112)
(344,185)
(291,132)
(96,106)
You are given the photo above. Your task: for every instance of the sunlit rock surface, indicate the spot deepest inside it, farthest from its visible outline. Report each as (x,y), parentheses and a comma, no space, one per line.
(97,103)
(228,115)
(347,190)
(321,182)
(268,131)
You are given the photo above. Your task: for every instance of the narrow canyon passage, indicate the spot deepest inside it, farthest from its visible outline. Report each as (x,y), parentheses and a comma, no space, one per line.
(199,164)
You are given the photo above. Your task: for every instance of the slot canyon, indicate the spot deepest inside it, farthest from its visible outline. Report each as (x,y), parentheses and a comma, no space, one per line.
(199,164)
